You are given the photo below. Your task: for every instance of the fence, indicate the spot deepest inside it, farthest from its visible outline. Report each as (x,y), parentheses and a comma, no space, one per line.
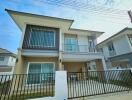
(81,84)
(25,86)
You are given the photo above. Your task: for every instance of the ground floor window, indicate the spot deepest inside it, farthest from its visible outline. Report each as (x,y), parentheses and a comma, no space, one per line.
(39,72)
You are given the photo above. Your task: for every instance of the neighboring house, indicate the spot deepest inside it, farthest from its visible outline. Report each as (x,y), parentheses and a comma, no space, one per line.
(7,61)
(118,49)
(49,44)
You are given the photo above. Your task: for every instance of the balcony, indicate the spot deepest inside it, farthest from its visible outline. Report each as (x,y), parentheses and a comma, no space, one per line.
(80,53)
(79,49)
(112,53)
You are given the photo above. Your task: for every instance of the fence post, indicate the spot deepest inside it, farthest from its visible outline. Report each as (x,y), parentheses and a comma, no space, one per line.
(61,90)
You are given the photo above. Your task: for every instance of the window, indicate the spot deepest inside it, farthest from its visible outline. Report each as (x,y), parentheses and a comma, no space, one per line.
(2,58)
(111,49)
(70,44)
(42,38)
(130,38)
(36,69)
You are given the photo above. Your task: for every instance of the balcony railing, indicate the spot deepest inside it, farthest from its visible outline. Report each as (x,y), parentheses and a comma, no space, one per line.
(26,86)
(78,48)
(112,53)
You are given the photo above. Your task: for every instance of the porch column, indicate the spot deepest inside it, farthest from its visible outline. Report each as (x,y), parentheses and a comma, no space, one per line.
(84,71)
(104,64)
(108,64)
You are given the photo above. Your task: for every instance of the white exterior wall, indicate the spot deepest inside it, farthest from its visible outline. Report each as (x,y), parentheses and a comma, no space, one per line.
(82,40)
(8,61)
(121,45)
(5,62)
(105,51)
(83,43)
(11,61)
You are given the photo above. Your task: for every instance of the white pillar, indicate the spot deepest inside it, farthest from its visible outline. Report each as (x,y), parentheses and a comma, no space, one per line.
(104,64)
(61,90)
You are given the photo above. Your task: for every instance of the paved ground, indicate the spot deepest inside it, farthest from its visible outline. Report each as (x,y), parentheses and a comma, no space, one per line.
(115,96)
(91,88)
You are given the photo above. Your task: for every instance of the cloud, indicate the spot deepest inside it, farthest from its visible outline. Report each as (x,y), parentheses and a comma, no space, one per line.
(85,19)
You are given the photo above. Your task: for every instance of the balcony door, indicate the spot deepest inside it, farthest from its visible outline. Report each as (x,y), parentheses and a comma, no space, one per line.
(70,43)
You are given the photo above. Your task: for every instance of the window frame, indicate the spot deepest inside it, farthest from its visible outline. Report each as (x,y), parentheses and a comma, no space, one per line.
(111,46)
(30,37)
(71,45)
(112,52)
(40,73)
(3,58)
(130,38)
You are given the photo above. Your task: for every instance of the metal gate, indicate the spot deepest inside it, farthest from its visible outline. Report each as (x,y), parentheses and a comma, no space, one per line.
(82,84)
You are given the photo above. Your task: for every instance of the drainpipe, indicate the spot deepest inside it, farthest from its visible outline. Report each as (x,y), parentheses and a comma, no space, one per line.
(60,50)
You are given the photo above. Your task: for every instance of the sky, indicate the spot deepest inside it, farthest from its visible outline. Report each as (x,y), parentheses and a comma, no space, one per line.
(109,17)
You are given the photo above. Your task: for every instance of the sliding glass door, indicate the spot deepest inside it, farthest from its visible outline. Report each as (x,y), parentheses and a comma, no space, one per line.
(38,72)
(70,44)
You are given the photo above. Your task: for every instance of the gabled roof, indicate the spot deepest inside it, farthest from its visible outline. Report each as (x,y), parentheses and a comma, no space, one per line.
(126,30)
(22,18)
(6,52)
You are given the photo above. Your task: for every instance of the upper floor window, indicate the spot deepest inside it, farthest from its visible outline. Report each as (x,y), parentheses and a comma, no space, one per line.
(130,38)
(42,38)
(2,58)
(111,49)
(70,43)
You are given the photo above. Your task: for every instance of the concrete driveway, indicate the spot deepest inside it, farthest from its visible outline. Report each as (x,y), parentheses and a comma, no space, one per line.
(115,96)
(91,87)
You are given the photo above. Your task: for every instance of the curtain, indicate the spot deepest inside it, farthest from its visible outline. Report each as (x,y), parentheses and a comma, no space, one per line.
(71,44)
(42,38)
(34,73)
(38,72)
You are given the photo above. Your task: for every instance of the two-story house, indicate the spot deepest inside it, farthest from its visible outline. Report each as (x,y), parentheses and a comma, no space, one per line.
(7,61)
(49,44)
(118,49)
